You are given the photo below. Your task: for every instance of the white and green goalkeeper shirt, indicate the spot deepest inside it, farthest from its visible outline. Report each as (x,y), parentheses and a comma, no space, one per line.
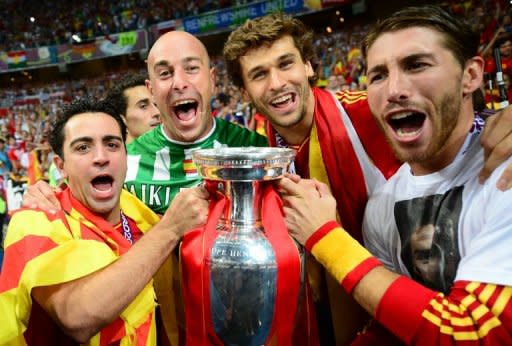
(159,167)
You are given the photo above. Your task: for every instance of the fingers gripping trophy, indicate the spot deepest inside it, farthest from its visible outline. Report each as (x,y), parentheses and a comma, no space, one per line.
(242,274)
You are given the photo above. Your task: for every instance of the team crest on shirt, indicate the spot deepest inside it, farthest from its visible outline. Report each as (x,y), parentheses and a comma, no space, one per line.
(189,167)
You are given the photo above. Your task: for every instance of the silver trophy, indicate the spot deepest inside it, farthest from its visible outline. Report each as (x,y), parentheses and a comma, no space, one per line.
(243,276)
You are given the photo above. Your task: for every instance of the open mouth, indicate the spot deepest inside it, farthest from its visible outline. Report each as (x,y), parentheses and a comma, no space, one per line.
(407,124)
(283,100)
(102,182)
(185,109)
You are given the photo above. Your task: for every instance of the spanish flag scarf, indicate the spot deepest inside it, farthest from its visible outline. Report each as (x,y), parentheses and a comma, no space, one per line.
(44,249)
(195,250)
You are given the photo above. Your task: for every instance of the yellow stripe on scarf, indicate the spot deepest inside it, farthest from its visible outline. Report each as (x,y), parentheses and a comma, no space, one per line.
(347,315)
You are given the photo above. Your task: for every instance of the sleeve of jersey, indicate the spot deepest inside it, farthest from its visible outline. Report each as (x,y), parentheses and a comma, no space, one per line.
(40,252)
(341,255)
(472,314)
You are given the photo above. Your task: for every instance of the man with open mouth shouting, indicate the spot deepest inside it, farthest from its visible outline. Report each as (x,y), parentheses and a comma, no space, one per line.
(438,270)
(84,274)
(181,82)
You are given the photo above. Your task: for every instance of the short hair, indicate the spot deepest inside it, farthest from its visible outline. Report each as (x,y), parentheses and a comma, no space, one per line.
(81,106)
(459,37)
(116,94)
(265,30)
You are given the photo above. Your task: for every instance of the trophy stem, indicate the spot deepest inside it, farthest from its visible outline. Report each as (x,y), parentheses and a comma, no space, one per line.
(243,205)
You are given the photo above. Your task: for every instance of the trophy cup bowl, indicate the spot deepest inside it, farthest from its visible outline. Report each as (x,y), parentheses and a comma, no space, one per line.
(242,262)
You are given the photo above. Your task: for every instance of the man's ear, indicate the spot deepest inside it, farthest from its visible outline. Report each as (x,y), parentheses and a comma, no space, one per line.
(245,95)
(473,75)
(148,86)
(213,79)
(59,163)
(309,69)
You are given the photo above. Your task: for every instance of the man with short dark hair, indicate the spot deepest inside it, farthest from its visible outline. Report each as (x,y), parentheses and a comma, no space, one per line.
(89,267)
(133,101)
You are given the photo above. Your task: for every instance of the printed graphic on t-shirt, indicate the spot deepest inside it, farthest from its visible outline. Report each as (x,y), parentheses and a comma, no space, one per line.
(428,232)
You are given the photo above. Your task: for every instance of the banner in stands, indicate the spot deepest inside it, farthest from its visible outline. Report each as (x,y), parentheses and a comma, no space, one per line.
(102,47)
(234,16)
(14,193)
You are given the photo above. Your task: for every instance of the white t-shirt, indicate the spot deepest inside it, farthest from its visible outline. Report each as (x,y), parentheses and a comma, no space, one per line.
(445,226)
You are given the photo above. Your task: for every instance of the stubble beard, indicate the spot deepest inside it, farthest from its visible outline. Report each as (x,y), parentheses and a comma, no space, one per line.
(443,127)
(276,122)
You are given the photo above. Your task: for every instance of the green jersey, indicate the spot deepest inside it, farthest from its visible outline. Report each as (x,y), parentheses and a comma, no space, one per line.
(159,167)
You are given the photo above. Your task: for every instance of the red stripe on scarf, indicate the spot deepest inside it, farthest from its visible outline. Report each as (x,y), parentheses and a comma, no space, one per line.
(345,175)
(115,331)
(24,250)
(371,136)
(196,247)
(288,267)
(143,331)
(104,228)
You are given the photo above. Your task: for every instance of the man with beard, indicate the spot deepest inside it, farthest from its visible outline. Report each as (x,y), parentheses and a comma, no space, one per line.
(422,70)
(84,274)
(336,138)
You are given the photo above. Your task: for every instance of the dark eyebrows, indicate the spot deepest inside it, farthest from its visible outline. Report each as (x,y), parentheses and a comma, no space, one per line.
(286,56)
(109,138)
(416,57)
(80,139)
(376,69)
(161,63)
(404,61)
(86,139)
(280,58)
(143,101)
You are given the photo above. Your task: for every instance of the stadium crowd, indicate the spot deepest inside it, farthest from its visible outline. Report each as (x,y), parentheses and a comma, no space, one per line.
(54,22)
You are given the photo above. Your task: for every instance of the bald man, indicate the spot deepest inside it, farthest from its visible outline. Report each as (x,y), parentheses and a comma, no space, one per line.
(181,82)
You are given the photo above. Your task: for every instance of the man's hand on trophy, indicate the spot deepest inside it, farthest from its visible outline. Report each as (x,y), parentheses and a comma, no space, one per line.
(308,204)
(188,210)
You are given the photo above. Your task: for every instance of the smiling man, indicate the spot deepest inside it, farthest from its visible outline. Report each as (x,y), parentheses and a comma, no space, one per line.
(181,83)
(443,237)
(336,139)
(85,273)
